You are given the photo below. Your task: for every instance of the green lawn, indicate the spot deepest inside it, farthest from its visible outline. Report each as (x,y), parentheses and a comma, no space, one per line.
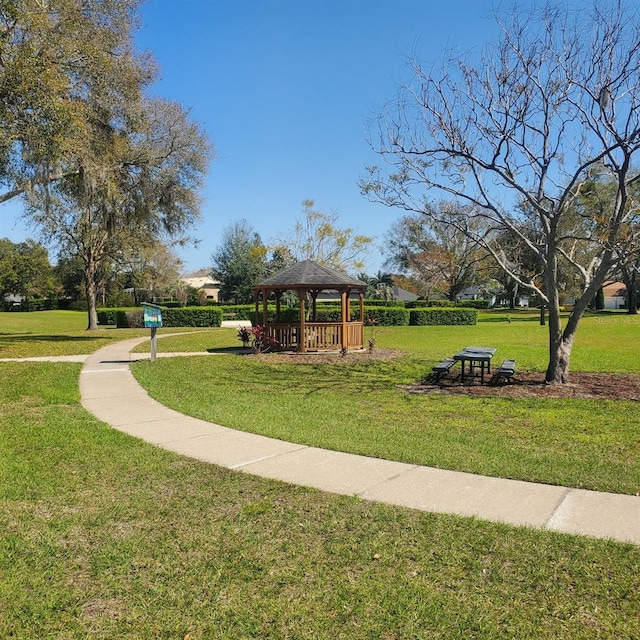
(361,408)
(104,536)
(56,333)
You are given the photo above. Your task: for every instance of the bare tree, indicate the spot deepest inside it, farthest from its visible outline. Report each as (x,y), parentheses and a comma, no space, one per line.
(316,237)
(515,134)
(442,257)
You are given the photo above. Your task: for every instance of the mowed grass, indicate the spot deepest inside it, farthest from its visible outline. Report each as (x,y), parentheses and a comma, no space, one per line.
(362,408)
(104,536)
(57,333)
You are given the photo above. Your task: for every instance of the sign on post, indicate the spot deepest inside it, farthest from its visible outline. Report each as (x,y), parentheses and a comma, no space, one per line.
(152,315)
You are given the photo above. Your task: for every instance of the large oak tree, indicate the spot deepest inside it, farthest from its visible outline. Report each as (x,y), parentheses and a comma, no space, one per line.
(59,60)
(103,167)
(134,186)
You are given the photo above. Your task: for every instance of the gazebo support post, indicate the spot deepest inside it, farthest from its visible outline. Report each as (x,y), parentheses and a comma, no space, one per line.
(344,338)
(265,314)
(257,306)
(302,343)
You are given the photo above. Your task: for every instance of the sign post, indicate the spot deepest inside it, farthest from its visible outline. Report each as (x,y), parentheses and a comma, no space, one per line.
(152,314)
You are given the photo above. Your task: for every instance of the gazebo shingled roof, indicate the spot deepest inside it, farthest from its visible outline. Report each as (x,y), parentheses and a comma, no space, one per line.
(309,274)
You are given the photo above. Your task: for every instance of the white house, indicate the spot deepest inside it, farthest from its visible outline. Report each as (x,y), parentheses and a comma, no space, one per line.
(615,295)
(210,286)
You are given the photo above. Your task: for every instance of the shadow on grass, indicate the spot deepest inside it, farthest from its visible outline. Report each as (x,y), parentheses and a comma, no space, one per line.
(506,320)
(239,351)
(6,338)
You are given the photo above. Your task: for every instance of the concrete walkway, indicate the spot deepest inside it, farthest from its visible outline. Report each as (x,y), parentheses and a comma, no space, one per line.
(109,391)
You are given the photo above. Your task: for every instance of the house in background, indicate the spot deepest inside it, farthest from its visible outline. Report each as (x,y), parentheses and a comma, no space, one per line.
(209,286)
(398,294)
(476,292)
(402,294)
(615,295)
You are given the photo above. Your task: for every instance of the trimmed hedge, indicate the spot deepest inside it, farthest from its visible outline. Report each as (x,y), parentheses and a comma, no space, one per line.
(386,316)
(182,317)
(192,317)
(423,304)
(130,319)
(383,316)
(243,311)
(210,316)
(434,316)
(110,316)
(474,304)
(441,304)
(32,304)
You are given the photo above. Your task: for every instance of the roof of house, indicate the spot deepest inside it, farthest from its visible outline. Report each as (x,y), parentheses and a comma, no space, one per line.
(402,294)
(309,274)
(614,289)
(474,290)
(201,283)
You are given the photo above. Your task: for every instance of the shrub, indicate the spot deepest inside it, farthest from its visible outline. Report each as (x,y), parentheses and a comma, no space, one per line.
(243,311)
(325,312)
(377,302)
(474,304)
(436,316)
(32,304)
(329,314)
(129,318)
(108,316)
(441,304)
(182,317)
(77,305)
(192,317)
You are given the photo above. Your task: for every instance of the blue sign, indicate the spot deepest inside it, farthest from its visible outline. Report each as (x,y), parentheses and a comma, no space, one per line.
(152,316)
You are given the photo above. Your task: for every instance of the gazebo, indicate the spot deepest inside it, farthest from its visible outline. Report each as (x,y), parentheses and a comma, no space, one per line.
(309,277)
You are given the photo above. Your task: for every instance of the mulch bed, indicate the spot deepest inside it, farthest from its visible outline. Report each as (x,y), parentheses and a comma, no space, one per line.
(525,384)
(530,384)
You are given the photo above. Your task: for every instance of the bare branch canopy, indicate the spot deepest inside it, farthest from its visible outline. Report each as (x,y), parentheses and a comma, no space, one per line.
(516,135)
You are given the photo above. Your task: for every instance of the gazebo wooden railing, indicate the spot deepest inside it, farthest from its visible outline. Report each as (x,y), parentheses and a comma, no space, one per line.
(318,336)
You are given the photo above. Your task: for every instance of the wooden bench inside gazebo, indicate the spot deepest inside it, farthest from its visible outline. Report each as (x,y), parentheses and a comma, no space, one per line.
(309,278)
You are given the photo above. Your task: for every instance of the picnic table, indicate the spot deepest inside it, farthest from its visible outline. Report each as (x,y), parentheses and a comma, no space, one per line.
(475,356)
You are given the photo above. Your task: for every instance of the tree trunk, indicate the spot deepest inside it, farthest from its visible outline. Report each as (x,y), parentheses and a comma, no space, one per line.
(629,277)
(91,293)
(632,299)
(560,342)
(559,345)
(559,356)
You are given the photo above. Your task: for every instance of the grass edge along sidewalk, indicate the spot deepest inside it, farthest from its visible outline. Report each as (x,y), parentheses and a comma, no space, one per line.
(113,395)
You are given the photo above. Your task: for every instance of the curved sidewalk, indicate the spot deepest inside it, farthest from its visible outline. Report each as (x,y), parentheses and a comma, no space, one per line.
(109,391)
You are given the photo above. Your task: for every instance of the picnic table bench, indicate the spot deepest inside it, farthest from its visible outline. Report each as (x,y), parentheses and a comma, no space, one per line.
(506,370)
(443,367)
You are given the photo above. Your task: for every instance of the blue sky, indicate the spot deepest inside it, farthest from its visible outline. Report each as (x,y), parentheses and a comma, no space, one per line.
(284,89)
